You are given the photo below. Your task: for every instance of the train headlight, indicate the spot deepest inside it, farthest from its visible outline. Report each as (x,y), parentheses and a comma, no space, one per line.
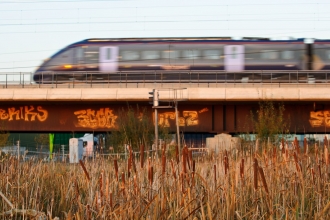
(67,66)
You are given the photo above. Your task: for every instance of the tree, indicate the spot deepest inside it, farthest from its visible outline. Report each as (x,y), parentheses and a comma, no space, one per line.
(42,139)
(269,122)
(135,126)
(4,135)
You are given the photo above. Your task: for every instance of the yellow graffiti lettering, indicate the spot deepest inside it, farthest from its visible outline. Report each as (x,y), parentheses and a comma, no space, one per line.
(3,114)
(319,118)
(110,118)
(189,118)
(104,118)
(12,112)
(164,118)
(28,111)
(44,115)
(25,113)
(192,117)
(203,110)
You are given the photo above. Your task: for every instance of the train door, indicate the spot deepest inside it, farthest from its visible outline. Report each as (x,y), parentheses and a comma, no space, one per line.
(234,58)
(108,59)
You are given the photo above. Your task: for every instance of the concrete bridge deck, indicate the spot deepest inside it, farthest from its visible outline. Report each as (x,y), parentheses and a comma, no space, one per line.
(188,92)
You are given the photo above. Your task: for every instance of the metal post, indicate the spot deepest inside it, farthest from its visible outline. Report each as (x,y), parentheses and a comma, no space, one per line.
(156,131)
(62,153)
(18,149)
(177,126)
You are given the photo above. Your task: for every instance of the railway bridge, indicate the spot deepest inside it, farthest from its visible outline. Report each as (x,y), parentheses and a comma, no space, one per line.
(207,106)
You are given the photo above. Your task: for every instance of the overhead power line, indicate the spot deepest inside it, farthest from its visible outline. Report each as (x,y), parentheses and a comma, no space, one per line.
(162,6)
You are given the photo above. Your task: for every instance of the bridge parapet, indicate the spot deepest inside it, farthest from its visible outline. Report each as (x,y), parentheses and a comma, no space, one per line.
(191,94)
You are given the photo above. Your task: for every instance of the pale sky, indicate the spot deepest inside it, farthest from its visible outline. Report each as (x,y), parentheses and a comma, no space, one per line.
(33,30)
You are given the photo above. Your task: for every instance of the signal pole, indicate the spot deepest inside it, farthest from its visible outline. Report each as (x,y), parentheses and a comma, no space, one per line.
(173,97)
(155,104)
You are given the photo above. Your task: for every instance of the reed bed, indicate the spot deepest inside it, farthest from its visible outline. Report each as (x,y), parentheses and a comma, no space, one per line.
(267,184)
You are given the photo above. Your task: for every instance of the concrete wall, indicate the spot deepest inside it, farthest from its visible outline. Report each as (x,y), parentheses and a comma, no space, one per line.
(189,94)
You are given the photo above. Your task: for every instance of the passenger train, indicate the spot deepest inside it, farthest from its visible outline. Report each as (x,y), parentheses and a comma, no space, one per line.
(175,54)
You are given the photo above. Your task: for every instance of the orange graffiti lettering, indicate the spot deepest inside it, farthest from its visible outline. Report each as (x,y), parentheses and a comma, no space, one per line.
(104,118)
(190,118)
(320,118)
(25,113)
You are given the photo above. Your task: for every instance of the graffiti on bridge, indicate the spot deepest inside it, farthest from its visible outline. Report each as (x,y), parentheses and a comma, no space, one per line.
(25,113)
(320,118)
(188,118)
(102,118)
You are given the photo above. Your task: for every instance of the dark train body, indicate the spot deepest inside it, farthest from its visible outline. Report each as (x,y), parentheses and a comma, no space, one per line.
(222,54)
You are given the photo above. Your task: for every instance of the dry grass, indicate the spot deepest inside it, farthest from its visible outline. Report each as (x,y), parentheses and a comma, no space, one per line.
(271,184)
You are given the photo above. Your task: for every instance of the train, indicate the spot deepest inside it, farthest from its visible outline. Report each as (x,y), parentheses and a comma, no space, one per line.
(109,56)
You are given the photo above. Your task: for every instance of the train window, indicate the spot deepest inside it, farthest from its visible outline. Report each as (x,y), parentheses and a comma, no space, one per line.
(269,54)
(191,54)
(287,55)
(64,58)
(92,54)
(130,55)
(80,52)
(167,54)
(150,55)
(327,54)
(211,54)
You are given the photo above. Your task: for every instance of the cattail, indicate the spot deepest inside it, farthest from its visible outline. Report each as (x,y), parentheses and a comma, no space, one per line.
(182,182)
(177,153)
(185,152)
(116,167)
(296,144)
(123,179)
(173,170)
(193,165)
(111,200)
(296,161)
(76,187)
(88,212)
(255,172)
(184,159)
(226,162)
(134,165)
(326,155)
(163,163)
(274,155)
(320,172)
(313,175)
(325,141)
(190,157)
(215,175)
(128,168)
(151,180)
(263,180)
(84,168)
(135,185)
(101,185)
(286,153)
(242,168)
(305,145)
(123,182)
(141,155)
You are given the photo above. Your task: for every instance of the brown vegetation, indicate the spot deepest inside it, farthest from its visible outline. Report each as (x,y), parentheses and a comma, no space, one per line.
(288,184)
